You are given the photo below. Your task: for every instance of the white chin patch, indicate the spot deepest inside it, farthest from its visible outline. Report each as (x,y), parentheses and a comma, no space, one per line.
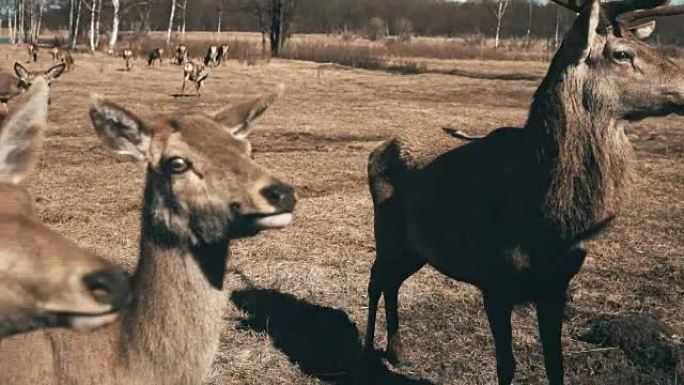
(86,323)
(274,221)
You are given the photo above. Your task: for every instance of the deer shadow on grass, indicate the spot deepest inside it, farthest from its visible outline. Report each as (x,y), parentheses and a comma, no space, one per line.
(184,95)
(322,341)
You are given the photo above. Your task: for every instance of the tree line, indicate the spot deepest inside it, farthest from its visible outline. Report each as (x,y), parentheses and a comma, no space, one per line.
(89,20)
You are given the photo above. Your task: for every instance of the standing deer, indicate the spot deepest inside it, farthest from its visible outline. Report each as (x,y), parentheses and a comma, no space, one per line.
(62,56)
(222,53)
(196,73)
(181,56)
(211,58)
(202,190)
(127,55)
(11,86)
(156,54)
(32,49)
(534,193)
(45,280)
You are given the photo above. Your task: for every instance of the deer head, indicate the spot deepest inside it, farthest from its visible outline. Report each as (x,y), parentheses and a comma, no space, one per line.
(26,77)
(606,49)
(45,280)
(202,184)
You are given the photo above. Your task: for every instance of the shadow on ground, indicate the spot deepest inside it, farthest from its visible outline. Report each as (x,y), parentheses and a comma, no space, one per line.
(321,340)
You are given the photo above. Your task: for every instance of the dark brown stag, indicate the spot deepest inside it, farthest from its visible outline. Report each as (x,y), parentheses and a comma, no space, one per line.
(534,193)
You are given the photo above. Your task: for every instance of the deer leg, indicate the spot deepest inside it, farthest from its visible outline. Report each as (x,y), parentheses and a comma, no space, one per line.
(499,316)
(550,319)
(374,293)
(183,87)
(397,272)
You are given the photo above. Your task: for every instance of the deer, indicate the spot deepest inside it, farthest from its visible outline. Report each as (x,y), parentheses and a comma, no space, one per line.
(535,193)
(181,56)
(62,56)
(127,55)
(202,190)
(32,49)
(156,54)
(11,86)
(196,73)
(222,53)
(211,58)
(45,279)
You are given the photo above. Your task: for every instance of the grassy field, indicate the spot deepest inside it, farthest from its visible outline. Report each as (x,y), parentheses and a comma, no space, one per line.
(298,296)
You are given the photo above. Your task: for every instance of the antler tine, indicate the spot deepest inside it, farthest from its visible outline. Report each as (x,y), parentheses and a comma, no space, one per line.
(629,18)
(573,5)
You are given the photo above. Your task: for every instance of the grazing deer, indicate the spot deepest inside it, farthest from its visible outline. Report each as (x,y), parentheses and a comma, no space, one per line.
(181,54)
(32,52)
(11,86)
(211,59)
(45,280)
(533,194)
(63,56)
(196,73)
(127,55)
(222,53)
(202,190)
(156,54)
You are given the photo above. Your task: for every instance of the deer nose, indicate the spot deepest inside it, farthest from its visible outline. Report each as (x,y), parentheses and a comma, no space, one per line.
(109,286)
(281,196)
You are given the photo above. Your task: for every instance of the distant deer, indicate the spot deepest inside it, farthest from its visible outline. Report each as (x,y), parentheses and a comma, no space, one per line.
(196,73)
(11,86)
(127,55)
(202,190)
(156,54)
(45,280)
(531,194)
(62,56)
(222,53)
(181,56)
(32,52)
(211,58)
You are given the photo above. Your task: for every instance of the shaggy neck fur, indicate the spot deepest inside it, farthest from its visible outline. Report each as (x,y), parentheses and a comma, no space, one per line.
(583,152)
(172,332)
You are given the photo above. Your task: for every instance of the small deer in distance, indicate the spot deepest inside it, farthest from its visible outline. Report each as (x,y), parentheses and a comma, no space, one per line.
(202,190)
(181,56)
(45,280)
(211,58)
(32,49)
(533,194)
(157,54)
(196,73)
(127,55)
(62,56)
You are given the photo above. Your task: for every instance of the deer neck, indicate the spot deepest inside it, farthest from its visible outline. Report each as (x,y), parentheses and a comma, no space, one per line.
(581,150)
(173,328)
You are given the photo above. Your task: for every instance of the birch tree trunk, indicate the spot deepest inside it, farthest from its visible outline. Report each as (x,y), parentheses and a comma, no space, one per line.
(98,22)
(91,32)
(185,7)
(116,4)
(74,37)
(220,17)
(501,7)
(529,22)
(39,20)
(71,20)
(172,14)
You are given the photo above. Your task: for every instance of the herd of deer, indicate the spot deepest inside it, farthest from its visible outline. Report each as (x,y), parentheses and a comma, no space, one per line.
(534,194)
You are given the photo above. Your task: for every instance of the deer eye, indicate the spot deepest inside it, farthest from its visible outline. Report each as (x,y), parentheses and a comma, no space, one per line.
(177,165)
(622,56)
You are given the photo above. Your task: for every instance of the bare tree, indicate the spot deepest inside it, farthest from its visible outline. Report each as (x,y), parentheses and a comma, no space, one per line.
(171,16)
(77,19)
(91,32)
(185,7)
(501,6)
(529,22)
(282,12)
(116,6)
(220,17)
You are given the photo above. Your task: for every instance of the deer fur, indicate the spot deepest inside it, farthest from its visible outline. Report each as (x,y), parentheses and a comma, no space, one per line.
(156,54)
(202,190)
(533,194)
(45,280)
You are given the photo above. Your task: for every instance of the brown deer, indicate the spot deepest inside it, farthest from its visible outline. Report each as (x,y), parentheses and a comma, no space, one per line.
(11,86)
(62,56)
(222,53)
(157,54)
(45,280)
(32,52)
(196,73)
(211,58)
(202,190)
(127,55)
(181,56)
(534,193)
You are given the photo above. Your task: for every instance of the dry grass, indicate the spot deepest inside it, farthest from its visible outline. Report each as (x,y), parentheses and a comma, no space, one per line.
(298,296)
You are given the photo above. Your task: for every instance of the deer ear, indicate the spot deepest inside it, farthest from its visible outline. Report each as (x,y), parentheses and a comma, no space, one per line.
(120,129)
(643,31)
(21,135)
(238,118)
(22,73)
(54,72)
